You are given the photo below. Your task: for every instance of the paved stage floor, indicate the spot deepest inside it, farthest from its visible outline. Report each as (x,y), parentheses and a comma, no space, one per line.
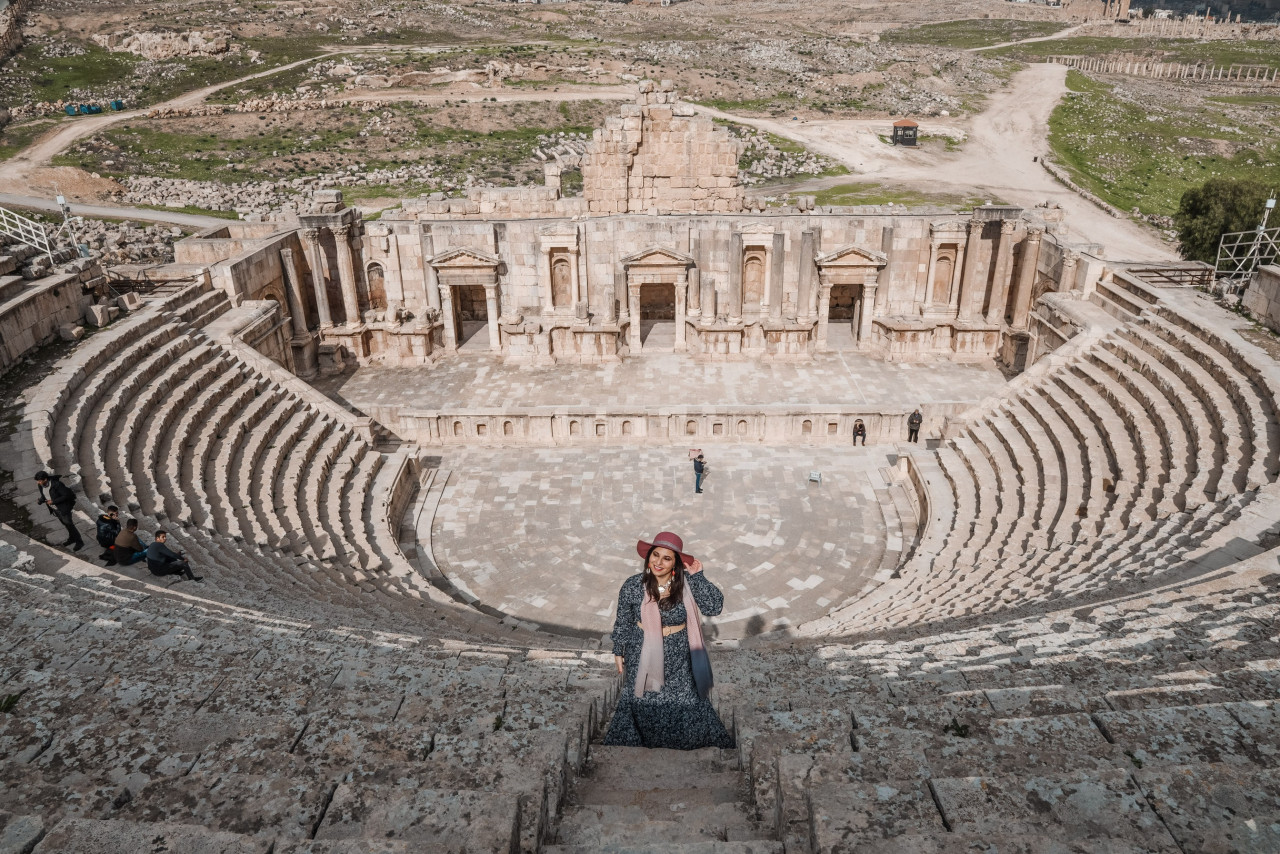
(482,382)
(548,534)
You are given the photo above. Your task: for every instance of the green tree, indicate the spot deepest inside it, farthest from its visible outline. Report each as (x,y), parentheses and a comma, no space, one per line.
(1216,207)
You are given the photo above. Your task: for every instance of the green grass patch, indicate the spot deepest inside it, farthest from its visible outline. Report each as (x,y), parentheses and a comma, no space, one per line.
(869,193)
(750,105)
(15,138)
(1159,50)
(1265,101)
(1134,155)
(971,33)
(193,210)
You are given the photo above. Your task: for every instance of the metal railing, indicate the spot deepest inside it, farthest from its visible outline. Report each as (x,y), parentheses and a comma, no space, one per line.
(25,230)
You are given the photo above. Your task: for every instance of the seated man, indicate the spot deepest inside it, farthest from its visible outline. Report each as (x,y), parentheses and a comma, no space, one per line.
(108,530)
(162,560)
(128,547)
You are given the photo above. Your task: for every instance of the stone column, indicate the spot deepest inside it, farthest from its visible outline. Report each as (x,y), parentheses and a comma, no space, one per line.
(969,280)
(1004,266)
(695,278)
(622,294)
(347,274)
(708,298)
(682,290)
(824,307)
(575,280)
(803,309)
(311,236)
(633,299)
(429,278)
(924,296)
(545,280)
(492,310)
(393,249)
(450,320)
(293,293)
(1069,261)
(735,278)
(776,275)
(1026,278)
(865,316)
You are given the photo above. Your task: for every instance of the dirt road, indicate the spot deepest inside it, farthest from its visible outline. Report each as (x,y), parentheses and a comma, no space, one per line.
(998,160)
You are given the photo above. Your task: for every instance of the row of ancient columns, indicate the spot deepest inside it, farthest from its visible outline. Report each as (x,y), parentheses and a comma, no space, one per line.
(967,300)
(346,274)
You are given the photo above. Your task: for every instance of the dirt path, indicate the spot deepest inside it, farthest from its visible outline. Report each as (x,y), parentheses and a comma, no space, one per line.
(996,162)
(1061,34)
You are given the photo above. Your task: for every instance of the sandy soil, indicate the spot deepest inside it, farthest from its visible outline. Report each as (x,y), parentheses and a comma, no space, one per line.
(997,161)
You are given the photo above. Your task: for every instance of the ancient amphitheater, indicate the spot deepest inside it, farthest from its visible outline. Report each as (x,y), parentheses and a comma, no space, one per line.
(409,456)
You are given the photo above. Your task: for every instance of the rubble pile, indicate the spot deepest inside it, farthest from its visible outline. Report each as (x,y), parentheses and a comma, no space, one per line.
(763,161)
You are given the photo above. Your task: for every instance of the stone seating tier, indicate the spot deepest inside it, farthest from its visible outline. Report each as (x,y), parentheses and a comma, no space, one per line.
(141,714)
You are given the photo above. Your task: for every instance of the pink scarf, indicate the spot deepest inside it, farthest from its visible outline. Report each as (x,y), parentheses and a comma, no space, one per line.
(649,673)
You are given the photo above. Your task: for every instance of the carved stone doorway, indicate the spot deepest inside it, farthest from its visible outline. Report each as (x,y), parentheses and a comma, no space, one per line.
(658,317)
(846,304)
(471,317)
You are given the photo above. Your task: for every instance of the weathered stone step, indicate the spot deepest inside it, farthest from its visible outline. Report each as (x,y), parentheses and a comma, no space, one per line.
(88,836)
(638,768)
(715,789)
(613,825)
(753,846)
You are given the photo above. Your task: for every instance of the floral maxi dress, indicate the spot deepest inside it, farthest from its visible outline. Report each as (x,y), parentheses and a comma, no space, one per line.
(675,717)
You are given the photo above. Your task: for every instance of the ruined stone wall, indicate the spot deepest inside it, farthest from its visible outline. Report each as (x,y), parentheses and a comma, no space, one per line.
(35,315)
(661,156)
(11,25)
(403,249)
(1262,297)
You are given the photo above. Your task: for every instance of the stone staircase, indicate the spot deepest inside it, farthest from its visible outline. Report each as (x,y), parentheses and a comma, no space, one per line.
(631,799)
(136,716)
(1148,723)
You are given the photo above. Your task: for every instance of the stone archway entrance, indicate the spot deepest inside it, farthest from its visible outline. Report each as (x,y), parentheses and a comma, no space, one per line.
(658,317)
(842,316)
(848,279)
(470,317)
(469,299)
(657,287)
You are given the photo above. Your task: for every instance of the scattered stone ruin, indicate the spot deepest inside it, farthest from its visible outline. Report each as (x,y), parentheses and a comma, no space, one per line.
(1073,649)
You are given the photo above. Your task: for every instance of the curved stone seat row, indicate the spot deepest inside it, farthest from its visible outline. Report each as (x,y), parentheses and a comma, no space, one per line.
(1110,469)
(1147,723)
(269,493)
(182,723)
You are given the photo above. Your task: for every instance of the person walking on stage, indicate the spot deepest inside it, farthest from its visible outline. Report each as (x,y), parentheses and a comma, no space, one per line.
(61,501)
(658,646)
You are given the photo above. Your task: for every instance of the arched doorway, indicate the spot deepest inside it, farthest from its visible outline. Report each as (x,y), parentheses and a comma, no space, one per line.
(561,282)
(658,317)
(376,296)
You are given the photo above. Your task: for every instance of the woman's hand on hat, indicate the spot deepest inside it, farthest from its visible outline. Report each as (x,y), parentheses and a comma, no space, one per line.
(693,566)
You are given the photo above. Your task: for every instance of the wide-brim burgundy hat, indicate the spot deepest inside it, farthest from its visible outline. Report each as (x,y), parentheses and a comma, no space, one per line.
(666,540)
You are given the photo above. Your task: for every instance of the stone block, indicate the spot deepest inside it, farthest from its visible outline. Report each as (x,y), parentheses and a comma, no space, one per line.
(447,822)
(97,315)
(131,301)
(86,836)
(19,833)
(70,332)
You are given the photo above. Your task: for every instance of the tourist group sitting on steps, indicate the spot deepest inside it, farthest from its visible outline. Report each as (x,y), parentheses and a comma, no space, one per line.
(121,545)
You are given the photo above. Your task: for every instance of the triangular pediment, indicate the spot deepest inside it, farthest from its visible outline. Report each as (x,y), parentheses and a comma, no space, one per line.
(852,256)
(656,256)
(463,257)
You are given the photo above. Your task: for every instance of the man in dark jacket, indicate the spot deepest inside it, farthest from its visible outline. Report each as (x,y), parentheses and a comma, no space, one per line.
(913,425)
(108,530)
(162,560)
(60,500)
(699,469)
(859,432)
